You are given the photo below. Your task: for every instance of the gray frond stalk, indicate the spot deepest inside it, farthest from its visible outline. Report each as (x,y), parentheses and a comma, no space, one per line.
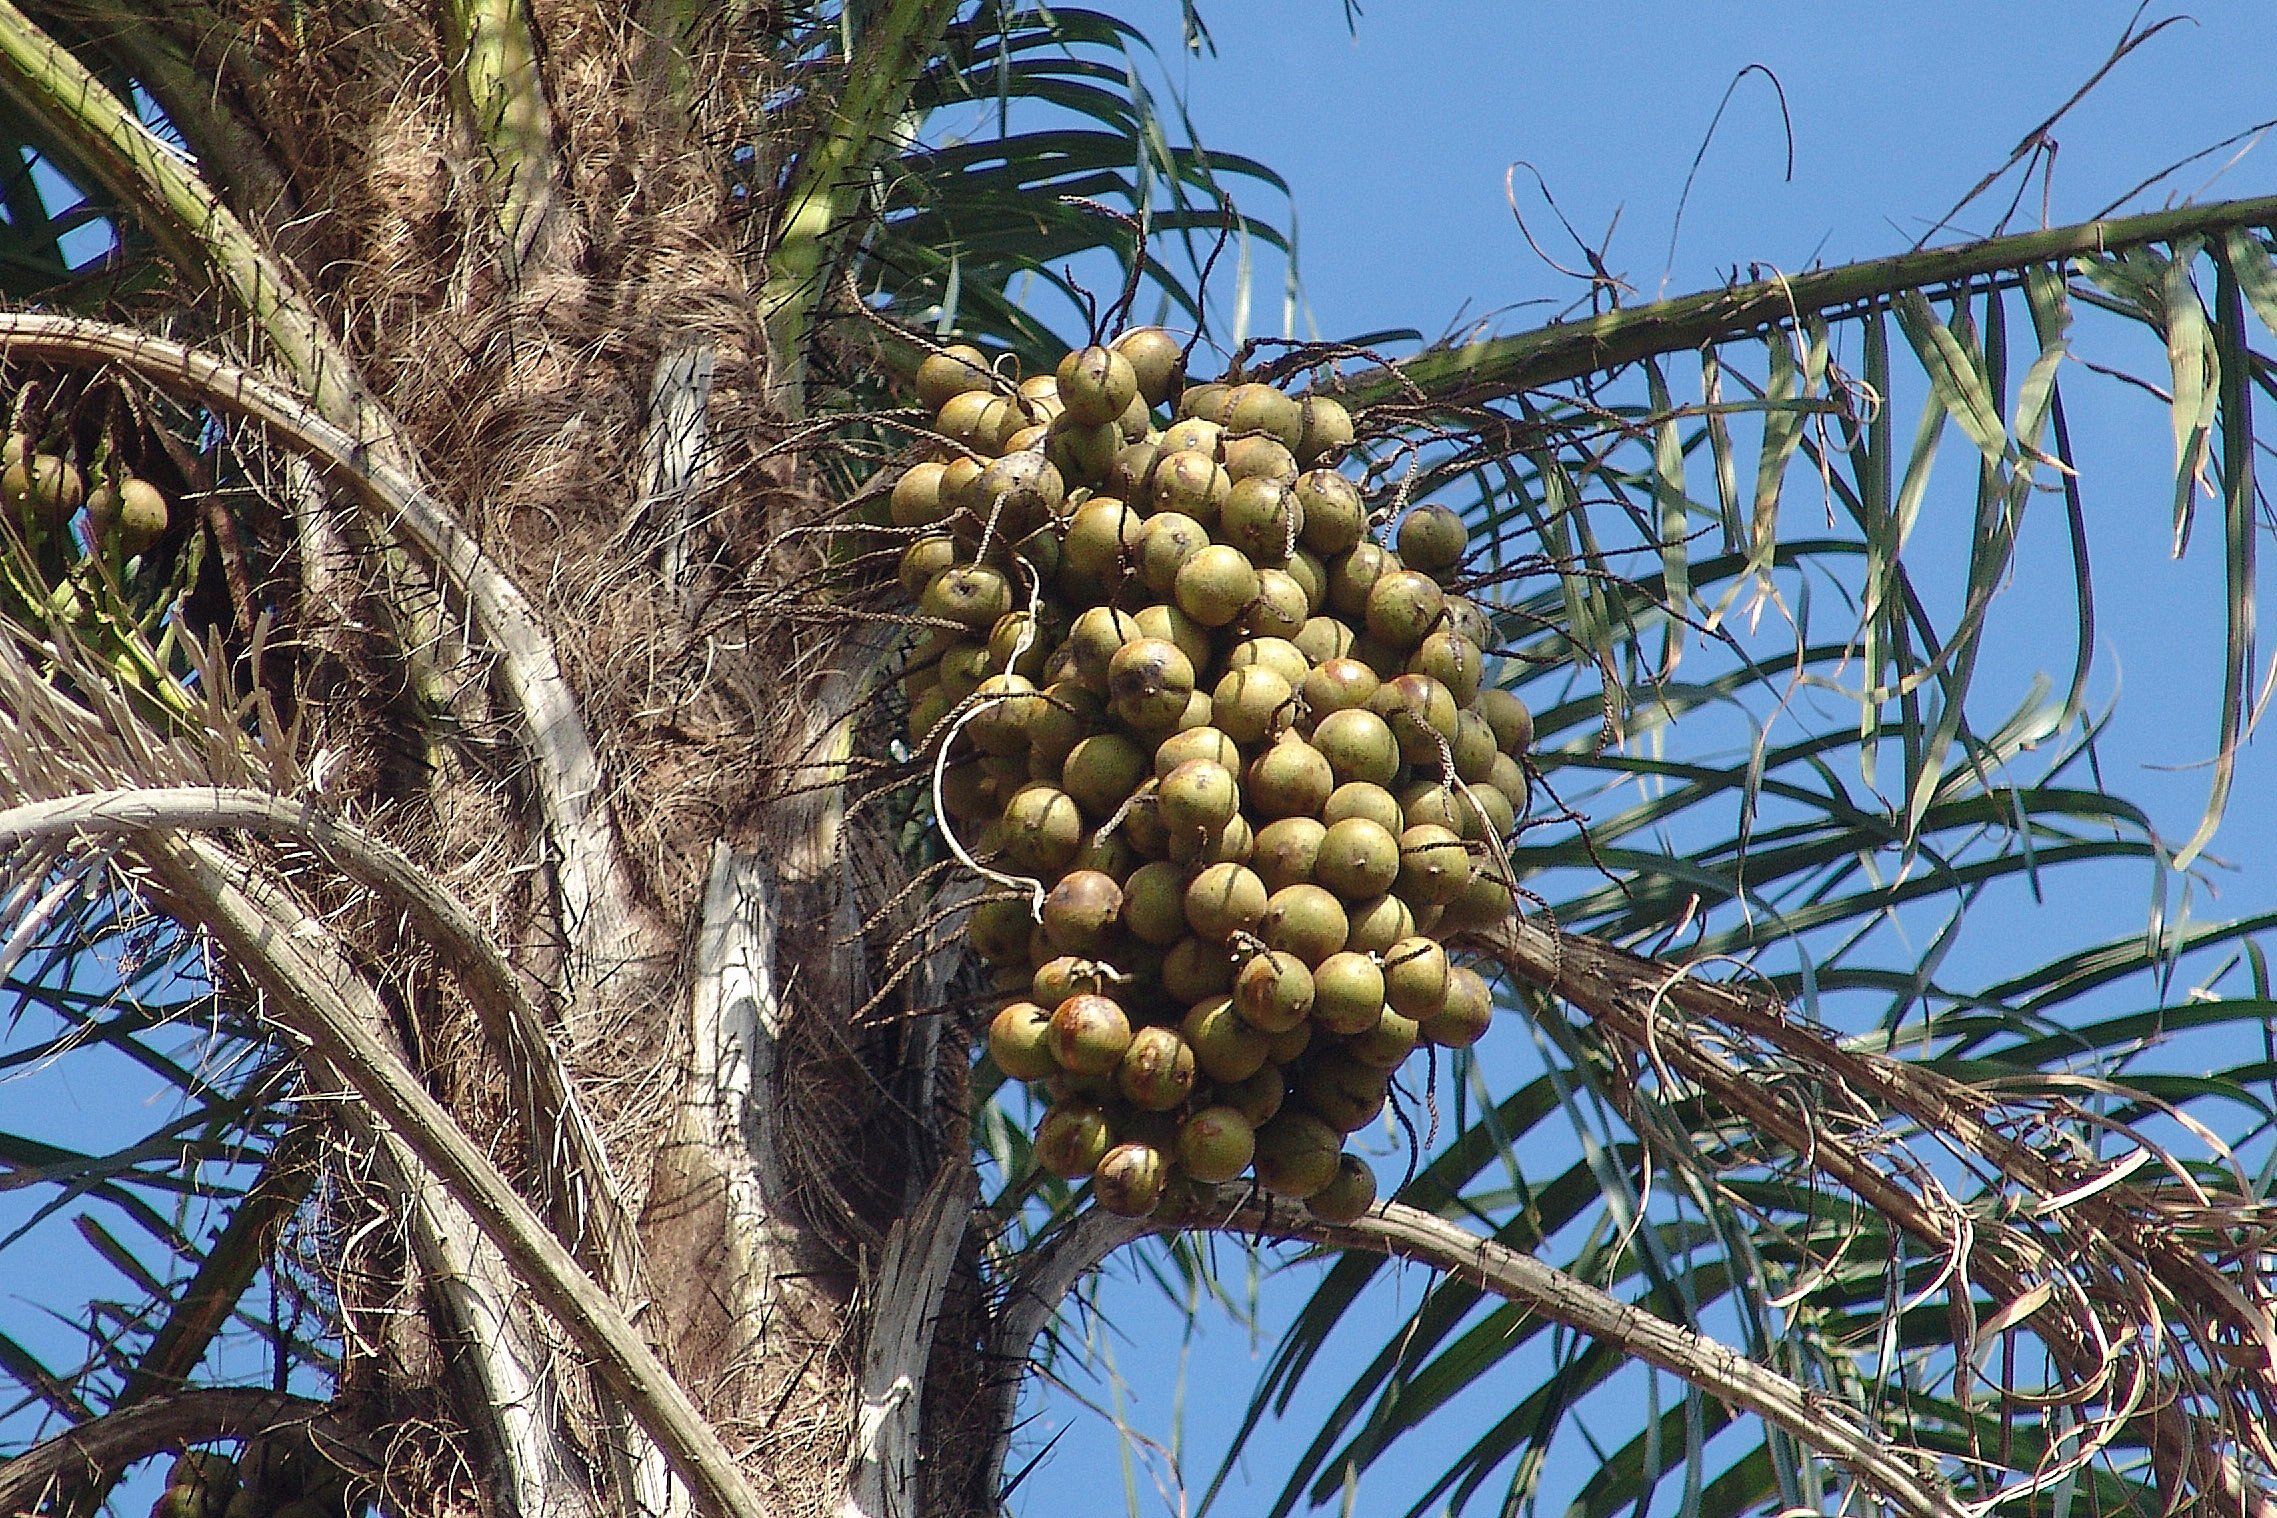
(515,1373)
(920,1252)
(596,902)
(1498,366)
(1408,1233)
(280,949)
(675,461)
(735,1093)
(1048,1272)
(84,1451)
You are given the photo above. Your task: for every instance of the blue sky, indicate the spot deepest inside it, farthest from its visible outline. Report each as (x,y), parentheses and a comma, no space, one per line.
(1396,137)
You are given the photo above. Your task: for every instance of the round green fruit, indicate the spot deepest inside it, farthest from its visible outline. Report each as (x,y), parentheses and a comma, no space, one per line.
(1258,458)
(1359,858)
(1296,1154)
(1347,1198)
(1377,922)
(1148,681)
(1421,714)
(1261,408)
(1199,796)
(1485,900)
(1157,360)
(1358,745)
(1167,622)
(1130,1178)
(1096,384)
(1363,800)
(1089,1034)
(1084,454)
(1072,1138)
(1205,402)
(1226,1048)
(1352,577)
(1092,641)
(1223,900)
(1304,920)
(1064,715)
(972,595)
(1002,705)
(924,559)
(1434,867)
(1279,655)
(1057,979)
(1195,743)
(1189,483)
(1324,638)
(998,933)
(1216,1144)
(1454,661)
(1513,725)
(1259,1097)
(1343,1092)
(1282,605)
(1387,1044)
(1261,517)
(1102,770)
(1249,704)
(1042,829)
(1465,1013)
(1154,903)
(1019,1040)
(1196,969)
(1273,991)
(1020,488)
(1326,429)
(1339,684)
(1102,537)
(1348,992)
(1403,605)
(1081,911)
(1156,1073)
(916,496)
(1290,779)
(1287,850)
(952,371)
(1215,585)
(1433,539)
(1335,518)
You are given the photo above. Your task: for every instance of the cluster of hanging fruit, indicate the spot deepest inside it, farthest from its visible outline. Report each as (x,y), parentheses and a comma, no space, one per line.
(1226,760)
(275,1478)
(42,491)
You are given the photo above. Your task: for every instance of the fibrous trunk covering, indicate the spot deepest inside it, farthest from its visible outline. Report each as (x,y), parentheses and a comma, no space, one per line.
(516,224)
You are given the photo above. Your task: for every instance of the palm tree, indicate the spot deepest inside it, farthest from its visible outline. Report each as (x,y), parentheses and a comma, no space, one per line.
(481,801)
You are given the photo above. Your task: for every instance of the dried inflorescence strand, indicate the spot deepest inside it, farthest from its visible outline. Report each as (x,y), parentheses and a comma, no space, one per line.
(2122,1269)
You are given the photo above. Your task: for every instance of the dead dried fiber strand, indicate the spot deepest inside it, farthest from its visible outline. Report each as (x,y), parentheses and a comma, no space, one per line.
(2133,1232)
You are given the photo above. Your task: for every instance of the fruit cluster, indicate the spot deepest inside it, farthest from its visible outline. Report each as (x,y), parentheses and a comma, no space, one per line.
(275,1478)
(43,491)
(1229,760)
